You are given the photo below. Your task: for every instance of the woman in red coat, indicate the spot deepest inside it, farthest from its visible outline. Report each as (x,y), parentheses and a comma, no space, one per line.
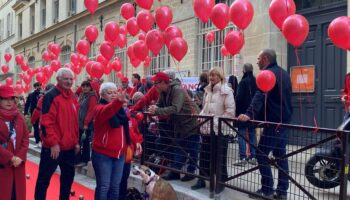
(14,141)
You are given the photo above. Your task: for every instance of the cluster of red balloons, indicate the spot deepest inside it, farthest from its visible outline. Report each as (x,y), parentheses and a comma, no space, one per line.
(240,12)
(5,68)
(295,28)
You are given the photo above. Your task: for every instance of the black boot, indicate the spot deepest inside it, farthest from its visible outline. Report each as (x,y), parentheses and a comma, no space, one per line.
(172,176)
(187,178)
(199,184)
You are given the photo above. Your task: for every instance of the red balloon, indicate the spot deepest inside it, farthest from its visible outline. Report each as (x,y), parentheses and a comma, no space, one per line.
(91,5)
(135,62)
(91,33)
(9,81)
(241,13)
(53,56)
(234,42)
(47,71)
(220,15)
(24,66)
(140,49)
(74,58)
(202,9)
(122,30)
(295,29)
(139,116)
(154,41)
(131,53)
(122,40)
(164,17)
(116,65)
(145,20)
(107,50)
(146,64)
(120,75)
(210,37)
(50,45)
(101,59)
(224,51)
(97,70)
(178,48)
(142,36)
(83,47)
(88,67)
(56,49)
(279,10)
(18,88)
(265,80)
(170,33)
(27,78)
(18,81)
(146,4)
(19,59)
(339,32)
(108,69)
(83,60)
(7,57)
(30,72)
(111,31)
(132,27)
(55,65)
(40,77)
(45,56)
(5,69)
(127,10)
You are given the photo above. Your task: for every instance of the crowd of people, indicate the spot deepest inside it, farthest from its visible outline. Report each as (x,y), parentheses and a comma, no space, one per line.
(97,122)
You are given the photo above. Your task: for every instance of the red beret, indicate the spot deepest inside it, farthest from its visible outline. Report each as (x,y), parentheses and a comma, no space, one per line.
(160,76)
(6,91)
(125,79)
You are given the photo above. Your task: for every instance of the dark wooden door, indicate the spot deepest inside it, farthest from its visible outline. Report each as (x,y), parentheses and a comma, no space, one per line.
(324,104)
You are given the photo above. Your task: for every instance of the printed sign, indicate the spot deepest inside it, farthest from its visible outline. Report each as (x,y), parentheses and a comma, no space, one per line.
(303,78)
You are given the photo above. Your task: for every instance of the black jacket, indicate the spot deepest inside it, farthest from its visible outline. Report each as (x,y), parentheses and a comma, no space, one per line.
(278,107)
(245,93)
(31,102)
(234,84)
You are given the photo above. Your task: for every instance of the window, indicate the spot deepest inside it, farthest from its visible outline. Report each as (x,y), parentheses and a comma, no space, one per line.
(31,61)
(20,25)
(43,15)
(55,11)
(65,55)
(32,19)
(304,4)
(8,25)
(72,7)
(160,62)
(210,54)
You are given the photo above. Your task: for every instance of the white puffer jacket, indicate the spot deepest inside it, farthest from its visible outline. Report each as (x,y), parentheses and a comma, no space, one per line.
(218,101)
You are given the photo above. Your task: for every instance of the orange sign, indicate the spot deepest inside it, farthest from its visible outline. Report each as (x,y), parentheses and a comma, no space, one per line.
(303,78)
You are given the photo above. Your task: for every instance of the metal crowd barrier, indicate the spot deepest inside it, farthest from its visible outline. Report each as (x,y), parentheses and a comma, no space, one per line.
(318,159)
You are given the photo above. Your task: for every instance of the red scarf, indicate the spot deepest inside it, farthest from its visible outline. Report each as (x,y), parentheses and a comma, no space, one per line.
(7,116)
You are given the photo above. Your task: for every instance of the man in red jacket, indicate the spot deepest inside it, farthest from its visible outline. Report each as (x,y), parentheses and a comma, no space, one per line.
(59,124)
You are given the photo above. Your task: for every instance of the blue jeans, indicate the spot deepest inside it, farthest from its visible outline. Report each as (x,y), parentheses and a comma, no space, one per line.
(275,141)
(191,146)
(249,134)
(109,172)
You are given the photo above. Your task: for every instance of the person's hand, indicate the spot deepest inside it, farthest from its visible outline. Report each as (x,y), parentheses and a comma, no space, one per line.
(121,96)
(243,118)
(343,98)
(138,149)
(152,109)
(76,149)
(55,151)
(16,161)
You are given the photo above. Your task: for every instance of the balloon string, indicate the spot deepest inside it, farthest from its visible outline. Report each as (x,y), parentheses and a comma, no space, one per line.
(265,106)
(300,103)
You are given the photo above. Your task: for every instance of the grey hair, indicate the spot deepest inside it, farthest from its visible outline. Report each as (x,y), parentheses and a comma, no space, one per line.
(247,67)
(105,86)
(63,71)
(171,73)
(270,54)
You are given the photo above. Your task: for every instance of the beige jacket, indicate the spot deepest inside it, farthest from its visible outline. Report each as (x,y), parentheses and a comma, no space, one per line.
(218,101)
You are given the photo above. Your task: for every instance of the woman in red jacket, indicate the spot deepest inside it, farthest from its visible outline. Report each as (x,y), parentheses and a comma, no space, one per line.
(14,141)
(111,132)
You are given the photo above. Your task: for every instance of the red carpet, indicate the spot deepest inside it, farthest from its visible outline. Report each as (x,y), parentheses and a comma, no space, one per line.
(54,188)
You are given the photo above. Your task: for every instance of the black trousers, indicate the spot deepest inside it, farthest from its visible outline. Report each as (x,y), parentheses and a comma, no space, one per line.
(123,187)
(48,166)
(36,131)
(85,146)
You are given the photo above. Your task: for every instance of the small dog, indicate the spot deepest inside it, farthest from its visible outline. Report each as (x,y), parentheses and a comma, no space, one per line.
(156,187)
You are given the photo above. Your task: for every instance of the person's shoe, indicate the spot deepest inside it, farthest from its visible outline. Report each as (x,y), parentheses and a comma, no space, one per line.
(280,197)
(220,188)
(187,178)
(261,195)
(172,176)
(241,163)
(253,161)
(199,184)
